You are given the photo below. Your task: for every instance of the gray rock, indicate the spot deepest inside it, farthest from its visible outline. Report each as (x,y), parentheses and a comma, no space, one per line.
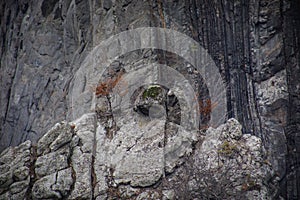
(5,195)
(6,179)
(238,160)
(253,44)
(52,162)
(178,146)
(148,195)
(64,182)
(127,191)
(7,156)
(168,194)
(63,138)
(133,160)
(18,187)
(14,177)
(21,173)
(52,136)
(82,163)
(42,188)
(85,128)
(20,195)
(140,159)
(4,168)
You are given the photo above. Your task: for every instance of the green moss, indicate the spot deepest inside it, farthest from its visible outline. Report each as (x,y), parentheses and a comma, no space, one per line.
(152,92)
(227,148)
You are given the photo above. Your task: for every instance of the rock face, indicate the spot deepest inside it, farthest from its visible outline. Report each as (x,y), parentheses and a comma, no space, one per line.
(240,162)
(45,46)
(16,164)
(78,161)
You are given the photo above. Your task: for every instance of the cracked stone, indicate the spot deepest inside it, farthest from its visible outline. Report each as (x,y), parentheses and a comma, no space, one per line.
(51,136)
(17,187)
(42,188)
(52,162)
(85,128)
(63,138)
(82,166)
(64,182)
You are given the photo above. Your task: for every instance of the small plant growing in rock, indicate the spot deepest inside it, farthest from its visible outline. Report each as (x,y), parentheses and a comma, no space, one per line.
(105,87)
(227,148)
(102,89)
(152,92)
(206,106)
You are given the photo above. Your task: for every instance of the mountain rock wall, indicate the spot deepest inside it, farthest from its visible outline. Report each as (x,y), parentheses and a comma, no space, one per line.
(76,161)
(254,44)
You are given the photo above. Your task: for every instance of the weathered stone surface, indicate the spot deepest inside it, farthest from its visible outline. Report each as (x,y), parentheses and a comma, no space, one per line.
(54,138)
(127,191)
(85,130)
(21,173)
(18,187)
(52,162)
(130,161)
(178,145)
(6,179)
(5,195)
(42,188)
(62,139)
(15,172)
(240,162)
(64,182)
(140,159)
(64,160)
(254,45)
(148,195)
(168,194)
(82,164)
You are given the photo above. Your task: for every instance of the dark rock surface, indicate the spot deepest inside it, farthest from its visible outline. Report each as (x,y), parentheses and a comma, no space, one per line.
(255,44)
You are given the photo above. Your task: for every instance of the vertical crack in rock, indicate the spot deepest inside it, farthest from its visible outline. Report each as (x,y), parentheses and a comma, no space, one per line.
(94,151)
(32,174)
(230,107)
(112,130)
(54,184)
(164,144)
(73,175)
(69,160)
(260,133)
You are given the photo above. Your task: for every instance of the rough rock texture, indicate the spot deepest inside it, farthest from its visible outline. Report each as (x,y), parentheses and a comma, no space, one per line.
(16,166)
(240,162)
(86,164)
(255,45)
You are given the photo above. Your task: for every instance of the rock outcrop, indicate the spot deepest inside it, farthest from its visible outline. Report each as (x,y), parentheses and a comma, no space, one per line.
(254,45)
(78,161)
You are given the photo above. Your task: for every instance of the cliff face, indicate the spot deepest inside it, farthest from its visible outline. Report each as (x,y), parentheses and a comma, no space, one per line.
(254,44)
(77,161)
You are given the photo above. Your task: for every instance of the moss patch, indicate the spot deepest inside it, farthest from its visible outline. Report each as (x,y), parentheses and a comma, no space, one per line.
(227,148)
(152,92)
